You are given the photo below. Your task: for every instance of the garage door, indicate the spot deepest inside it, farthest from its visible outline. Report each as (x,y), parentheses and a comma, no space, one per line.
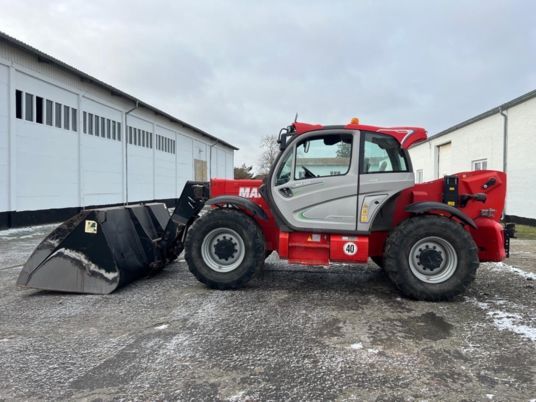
(444,160)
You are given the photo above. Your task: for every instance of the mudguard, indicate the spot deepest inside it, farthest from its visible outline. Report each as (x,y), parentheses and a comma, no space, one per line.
(427,206)
(240,202)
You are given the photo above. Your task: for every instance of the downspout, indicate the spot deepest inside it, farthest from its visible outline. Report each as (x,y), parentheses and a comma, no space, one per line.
(126,151)
(505,148)
(505,138)
(210,161)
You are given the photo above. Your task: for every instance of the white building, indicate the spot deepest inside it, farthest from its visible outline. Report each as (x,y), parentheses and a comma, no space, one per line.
(500,139)
(69,141)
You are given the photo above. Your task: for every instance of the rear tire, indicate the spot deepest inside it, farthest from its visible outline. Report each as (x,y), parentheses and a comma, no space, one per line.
(431,258)
(224,249)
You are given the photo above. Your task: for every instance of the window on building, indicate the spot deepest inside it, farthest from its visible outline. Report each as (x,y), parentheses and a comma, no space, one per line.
(97,126)
(150,140)
(419,178)
(39,110)
(143,136)
(66,117)
(382,153)
(74,118)
(29,107)
(90,123)
(84,122)
(57,115)
(109,133)
(118,131)
(129,134)
(49,113)
(480,164)
(18,104)
(103,128)
(135,136)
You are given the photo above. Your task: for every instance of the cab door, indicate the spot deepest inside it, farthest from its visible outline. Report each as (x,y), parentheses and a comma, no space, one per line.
(385,170)
(314,186)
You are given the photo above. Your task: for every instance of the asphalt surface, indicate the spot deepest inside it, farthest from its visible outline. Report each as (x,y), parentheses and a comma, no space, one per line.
(293,333)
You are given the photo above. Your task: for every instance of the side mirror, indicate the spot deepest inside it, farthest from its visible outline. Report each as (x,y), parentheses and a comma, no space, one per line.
(283,139)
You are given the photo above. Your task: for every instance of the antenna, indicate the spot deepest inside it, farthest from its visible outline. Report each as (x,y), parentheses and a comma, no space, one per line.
(296,117)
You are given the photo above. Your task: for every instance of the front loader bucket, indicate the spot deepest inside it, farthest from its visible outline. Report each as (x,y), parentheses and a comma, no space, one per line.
(98,250)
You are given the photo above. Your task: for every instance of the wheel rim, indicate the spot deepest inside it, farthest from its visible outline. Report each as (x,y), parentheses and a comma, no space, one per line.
(223,250)
(433,259)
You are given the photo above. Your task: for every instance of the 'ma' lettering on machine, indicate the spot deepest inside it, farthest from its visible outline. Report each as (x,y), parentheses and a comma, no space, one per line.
(249,192)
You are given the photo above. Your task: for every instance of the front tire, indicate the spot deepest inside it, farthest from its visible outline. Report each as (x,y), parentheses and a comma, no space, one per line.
(224,249)
(431,258)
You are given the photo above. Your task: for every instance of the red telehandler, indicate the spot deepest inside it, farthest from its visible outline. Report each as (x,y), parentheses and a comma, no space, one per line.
(334,194)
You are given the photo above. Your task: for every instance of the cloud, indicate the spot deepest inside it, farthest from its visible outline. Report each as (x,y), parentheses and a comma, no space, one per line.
(242,69)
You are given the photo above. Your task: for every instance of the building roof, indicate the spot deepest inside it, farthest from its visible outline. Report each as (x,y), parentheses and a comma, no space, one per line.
(51,60)
(495,110)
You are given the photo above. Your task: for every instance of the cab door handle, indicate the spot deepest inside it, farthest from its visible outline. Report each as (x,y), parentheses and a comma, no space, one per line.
(286,192)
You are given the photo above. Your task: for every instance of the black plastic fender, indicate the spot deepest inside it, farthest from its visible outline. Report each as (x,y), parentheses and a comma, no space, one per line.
(427,206)
(239,202)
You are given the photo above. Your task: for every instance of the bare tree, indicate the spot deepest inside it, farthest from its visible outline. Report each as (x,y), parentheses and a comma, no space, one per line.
(243,172)
(270,149)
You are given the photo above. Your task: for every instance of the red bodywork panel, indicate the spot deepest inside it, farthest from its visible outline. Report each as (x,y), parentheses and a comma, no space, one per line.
(406,136)
(322,248)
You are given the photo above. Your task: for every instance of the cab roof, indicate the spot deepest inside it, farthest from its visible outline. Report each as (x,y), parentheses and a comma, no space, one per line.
(406,136)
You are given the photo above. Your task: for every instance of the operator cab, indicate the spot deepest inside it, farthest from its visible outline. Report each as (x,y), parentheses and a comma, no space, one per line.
(337,178)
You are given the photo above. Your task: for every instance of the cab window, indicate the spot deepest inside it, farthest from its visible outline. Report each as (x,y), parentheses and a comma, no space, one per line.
(382,154)
(327,155)
(285,170)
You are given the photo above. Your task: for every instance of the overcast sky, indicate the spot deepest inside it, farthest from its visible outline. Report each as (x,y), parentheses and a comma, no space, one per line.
(242,69)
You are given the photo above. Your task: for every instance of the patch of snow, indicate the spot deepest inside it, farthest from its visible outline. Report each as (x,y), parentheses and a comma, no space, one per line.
(501,267)
(505,321)
(490,396)
(357,346)
(28,231)
(483,306)
(237,397)
(374,351)
(161,327)
(90,266)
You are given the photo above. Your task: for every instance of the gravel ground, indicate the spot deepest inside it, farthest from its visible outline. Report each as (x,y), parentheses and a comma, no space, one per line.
(294,333)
